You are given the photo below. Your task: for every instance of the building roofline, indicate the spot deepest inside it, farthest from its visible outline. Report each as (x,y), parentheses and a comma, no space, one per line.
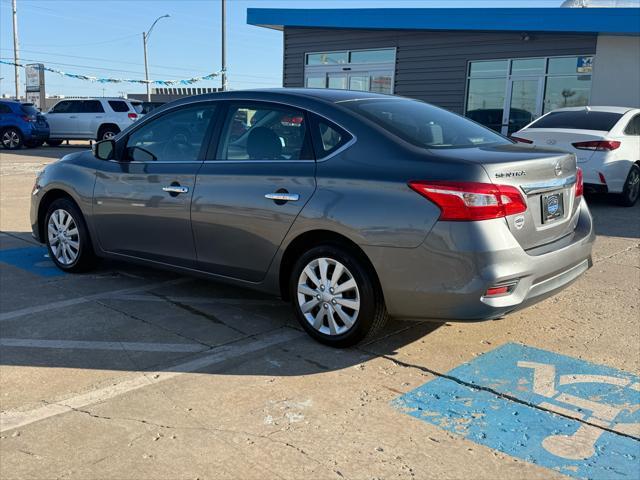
(616,21)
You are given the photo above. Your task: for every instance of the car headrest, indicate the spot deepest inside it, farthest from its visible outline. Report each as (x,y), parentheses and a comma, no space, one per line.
(263,144)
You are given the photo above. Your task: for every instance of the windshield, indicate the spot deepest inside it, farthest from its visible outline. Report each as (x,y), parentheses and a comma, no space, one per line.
(424,125)
(579,120)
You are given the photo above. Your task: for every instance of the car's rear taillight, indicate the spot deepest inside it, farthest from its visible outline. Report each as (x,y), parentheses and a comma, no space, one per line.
(28,118)
(579,183)
(520,139)
(133,116)
(597,145)
(469,201)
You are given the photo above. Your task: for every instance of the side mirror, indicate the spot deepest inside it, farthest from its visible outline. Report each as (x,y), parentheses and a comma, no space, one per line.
(104,150)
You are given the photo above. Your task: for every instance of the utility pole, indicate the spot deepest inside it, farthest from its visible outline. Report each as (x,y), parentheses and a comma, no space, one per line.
(145,39)
(16,56)
(223,76)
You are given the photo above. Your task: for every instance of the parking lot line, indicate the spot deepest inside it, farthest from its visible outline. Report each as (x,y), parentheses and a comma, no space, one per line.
(198,300)
(12,419)
(97,345)
(88,298)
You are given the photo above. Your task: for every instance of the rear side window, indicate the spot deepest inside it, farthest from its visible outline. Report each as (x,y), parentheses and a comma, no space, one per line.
(634,126)
(328,137)
(118,106)
(92,106)
(265,132)
(424,125)
(579,120)
(5,108)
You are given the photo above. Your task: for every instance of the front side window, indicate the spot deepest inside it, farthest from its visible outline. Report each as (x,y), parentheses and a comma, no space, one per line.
(425,125)
(62,107)
(176,136)
(264,132)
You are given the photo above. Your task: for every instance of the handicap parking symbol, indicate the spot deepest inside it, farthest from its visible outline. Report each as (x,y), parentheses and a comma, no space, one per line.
(560,412)
(31,259)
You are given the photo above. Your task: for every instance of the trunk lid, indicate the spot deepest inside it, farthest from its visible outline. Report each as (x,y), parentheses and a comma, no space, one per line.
(563,139)
(546,178)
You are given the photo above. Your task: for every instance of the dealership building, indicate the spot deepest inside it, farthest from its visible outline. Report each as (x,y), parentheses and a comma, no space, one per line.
(502,67)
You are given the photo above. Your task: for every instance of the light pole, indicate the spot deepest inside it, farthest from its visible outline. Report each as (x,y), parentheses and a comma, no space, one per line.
(16,48)
(223,45)
(145,39)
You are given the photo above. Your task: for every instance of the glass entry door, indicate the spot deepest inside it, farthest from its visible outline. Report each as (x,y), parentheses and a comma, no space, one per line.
(523,103)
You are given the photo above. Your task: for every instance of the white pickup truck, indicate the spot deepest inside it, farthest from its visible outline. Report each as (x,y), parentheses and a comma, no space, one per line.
(91,118)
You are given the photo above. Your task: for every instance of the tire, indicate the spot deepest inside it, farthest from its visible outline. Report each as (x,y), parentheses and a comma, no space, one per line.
(12,138)
(78,255)
(107,131)
(360,302)
(631,190)
(54,143)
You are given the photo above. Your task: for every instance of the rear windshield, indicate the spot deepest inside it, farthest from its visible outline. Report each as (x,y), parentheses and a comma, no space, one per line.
(29,109)
(424,125)
(579,120)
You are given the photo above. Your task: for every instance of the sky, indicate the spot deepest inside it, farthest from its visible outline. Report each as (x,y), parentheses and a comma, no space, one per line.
(103,38)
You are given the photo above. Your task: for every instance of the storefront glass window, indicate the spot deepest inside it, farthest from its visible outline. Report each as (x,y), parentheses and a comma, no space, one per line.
(485,101)
(567,91)
(373,56)
(489,69)
(328,58)
(316,81)
(528,66)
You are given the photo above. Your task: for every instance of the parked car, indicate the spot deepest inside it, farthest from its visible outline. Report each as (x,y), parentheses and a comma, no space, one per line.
(21,125)
(148,107)
(606,141)
(91,118)
(354,206)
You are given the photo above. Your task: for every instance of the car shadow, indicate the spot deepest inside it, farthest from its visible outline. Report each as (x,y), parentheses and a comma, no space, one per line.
(613,220)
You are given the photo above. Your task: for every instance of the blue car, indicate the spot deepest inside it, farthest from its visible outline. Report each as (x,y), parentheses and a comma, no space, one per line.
(21,124)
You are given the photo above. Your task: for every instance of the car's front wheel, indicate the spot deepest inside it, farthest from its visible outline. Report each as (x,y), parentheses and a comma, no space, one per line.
(631,189)
(336,297)
(12,138)
(67,236)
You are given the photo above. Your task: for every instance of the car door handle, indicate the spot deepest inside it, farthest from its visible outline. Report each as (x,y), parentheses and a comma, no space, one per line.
(175,189)
(283,197)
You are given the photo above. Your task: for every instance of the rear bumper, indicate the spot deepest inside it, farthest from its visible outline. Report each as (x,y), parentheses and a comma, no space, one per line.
(447,276)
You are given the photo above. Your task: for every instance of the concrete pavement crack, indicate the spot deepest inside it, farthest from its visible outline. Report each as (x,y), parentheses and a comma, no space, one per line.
(504,396)
(201,428)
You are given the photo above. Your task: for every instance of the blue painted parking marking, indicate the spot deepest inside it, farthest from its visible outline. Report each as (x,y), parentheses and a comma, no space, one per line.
(32,259)
(573,416)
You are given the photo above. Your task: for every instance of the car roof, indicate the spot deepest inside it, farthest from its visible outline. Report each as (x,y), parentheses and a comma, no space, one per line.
(326,94)
(621,110)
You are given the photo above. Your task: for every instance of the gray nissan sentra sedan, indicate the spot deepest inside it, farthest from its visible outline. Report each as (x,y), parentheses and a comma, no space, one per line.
(354,206)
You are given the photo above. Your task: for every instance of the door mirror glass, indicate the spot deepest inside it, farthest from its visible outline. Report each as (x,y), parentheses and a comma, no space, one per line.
(104,150)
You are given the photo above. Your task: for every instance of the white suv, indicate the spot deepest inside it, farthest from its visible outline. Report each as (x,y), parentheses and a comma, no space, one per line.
(90,118)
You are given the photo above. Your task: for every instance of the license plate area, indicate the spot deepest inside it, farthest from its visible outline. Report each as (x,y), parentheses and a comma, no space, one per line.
(552,207)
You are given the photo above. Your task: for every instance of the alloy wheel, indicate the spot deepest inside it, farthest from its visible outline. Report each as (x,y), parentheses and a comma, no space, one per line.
(328,296)
(108,135)
(64,238)
(10,139)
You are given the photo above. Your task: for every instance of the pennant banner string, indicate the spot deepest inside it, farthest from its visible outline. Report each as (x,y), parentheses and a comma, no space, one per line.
(186,81)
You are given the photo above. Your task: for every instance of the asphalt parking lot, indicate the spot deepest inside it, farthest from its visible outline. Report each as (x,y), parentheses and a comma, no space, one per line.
(128,372)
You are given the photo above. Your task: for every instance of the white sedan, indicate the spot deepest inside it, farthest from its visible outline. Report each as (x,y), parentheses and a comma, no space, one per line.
(605,140)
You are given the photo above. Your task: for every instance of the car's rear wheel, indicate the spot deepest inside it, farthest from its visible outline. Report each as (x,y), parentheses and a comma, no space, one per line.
(631,190)
(107,132)
(336,297)
(54,143)
(12,138)
(67,236)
